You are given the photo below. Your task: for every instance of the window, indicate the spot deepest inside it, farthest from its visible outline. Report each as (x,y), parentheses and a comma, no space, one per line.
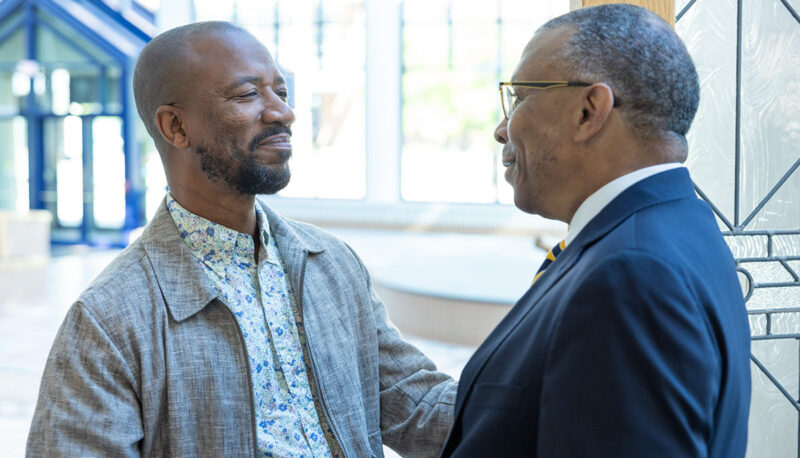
(320,48)
(454,53)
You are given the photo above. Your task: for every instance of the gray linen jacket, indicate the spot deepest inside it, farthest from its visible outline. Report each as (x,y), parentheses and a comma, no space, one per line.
(149,362)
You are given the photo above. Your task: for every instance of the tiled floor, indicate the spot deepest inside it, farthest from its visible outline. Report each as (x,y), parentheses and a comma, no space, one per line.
(33,302)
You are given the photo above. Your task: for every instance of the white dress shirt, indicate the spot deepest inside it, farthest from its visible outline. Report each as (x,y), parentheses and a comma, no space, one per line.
(595,203)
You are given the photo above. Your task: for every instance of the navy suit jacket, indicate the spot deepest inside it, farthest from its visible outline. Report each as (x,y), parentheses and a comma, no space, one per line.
(633,343)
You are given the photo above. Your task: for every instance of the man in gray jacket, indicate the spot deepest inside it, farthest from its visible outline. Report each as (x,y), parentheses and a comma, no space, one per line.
(226,330)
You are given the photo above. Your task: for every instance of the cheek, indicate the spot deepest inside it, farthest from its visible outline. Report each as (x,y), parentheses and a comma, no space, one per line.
(517,132)
(230,125)
(524,139)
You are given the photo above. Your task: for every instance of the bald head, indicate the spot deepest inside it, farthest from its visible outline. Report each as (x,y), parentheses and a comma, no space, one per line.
(167,68)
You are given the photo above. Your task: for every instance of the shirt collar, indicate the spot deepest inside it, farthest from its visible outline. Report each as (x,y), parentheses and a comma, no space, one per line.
(214,244)
(595,203)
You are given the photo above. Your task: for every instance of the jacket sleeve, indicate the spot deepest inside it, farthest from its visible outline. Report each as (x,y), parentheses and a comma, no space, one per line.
(417,401)
(87,401)
(632,368)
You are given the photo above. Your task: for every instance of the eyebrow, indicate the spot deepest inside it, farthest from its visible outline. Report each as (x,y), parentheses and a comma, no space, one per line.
(252,79)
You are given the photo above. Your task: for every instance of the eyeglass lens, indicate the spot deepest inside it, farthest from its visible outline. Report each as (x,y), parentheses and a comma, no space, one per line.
(508,100)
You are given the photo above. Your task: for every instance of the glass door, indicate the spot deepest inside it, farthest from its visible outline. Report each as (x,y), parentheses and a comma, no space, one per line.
(84,178)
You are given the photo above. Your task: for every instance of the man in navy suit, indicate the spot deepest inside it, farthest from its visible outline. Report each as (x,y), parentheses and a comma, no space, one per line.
(633,340)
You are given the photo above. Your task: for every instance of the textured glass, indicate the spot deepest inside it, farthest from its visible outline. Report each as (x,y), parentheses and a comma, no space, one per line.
(770,105)
(747,246)
(773,420)
(758,325)
(795,4)
(680,5)
(767,272)
(709,31)
(770,133)
(795,265)
(786,323)
(768,298)
(786,245)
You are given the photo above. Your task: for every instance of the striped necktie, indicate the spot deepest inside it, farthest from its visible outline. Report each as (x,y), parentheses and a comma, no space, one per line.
(551,256)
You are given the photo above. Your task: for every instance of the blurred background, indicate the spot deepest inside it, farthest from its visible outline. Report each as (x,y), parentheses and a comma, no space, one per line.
(396,102)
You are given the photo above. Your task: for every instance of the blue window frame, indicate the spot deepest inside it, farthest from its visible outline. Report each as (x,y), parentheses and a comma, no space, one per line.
(65,80)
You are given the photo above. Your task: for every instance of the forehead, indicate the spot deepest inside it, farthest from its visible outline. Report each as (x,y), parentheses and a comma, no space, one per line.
(222,57)
(536,62)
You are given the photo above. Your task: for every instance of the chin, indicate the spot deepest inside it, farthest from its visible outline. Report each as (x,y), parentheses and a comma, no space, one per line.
(526,202)
(522,201)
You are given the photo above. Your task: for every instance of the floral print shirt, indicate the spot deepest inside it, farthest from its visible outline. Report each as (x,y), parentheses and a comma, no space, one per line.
(259,296)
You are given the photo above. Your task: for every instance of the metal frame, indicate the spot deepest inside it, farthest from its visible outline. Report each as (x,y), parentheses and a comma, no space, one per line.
(119,18)
(738,228)
(134,212)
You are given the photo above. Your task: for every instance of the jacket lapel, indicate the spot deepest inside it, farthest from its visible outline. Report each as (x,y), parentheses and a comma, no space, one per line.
(515,316)
(294,245)
(663,187)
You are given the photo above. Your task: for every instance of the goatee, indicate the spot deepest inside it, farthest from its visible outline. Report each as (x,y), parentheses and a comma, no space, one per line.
(240,171)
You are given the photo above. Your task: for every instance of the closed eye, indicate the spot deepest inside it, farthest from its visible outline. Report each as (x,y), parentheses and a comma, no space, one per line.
(248,95)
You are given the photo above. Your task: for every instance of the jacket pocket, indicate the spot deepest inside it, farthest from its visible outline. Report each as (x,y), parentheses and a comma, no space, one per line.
(496,396)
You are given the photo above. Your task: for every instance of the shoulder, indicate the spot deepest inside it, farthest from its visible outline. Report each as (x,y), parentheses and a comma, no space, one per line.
(316,235)
(638,276)
(124,293)
(119,275)
(630,301)
(313,237)
(681,234)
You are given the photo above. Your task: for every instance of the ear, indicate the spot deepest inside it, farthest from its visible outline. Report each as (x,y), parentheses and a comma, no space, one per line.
(171,123)
(597,103)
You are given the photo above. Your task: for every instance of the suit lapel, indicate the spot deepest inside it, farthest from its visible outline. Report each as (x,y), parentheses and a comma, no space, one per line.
(516,315)
(665,186)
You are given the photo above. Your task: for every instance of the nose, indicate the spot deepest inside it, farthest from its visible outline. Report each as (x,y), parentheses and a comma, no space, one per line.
(501,132)
(276,110)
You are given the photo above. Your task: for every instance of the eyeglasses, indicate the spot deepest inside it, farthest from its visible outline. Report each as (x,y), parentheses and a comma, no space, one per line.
(509,100)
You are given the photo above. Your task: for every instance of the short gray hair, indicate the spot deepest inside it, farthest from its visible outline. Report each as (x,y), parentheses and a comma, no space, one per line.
(643,60)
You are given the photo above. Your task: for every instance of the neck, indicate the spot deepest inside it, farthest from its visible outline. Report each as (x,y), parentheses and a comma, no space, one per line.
(222,206)
(611,164)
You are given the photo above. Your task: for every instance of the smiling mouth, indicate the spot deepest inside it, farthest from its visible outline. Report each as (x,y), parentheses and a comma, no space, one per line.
(282,141)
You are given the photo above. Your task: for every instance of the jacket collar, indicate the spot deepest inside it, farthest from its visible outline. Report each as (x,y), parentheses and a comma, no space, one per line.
(663,187)
(183,281)
(294,236)
(660,188)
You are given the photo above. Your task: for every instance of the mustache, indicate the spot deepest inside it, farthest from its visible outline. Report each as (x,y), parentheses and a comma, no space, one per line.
(269,132)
